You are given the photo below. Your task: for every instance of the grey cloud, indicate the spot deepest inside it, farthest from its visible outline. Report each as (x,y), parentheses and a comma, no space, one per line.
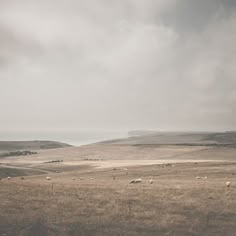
(165,64)
(191,15)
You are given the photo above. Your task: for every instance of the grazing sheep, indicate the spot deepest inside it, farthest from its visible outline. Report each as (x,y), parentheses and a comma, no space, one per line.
(151,181)
(228,184)
(168,164)
(198,177)
(48,178)
(91,178)
(135,181)
(8,178)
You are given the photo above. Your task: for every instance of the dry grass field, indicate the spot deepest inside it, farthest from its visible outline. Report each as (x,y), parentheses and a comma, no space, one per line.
(85,198)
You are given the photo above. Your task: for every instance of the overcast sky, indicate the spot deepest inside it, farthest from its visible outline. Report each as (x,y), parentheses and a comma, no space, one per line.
(109,64)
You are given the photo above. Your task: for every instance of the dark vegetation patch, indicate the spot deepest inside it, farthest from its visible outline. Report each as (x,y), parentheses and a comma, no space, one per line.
(54,161)
(17,153)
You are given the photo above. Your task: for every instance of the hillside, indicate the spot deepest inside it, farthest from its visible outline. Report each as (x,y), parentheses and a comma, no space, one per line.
(177,138)
(9,146)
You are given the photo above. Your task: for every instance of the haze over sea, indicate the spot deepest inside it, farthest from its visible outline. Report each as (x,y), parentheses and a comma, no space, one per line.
(73,137)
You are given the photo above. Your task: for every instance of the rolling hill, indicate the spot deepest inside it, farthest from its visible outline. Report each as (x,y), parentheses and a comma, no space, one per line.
(10,146)
(177,138)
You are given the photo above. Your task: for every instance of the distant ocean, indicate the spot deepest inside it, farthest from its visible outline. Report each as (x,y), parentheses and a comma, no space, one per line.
(77,138)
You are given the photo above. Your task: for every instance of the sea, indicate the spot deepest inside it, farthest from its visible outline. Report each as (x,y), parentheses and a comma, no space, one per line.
(72,137)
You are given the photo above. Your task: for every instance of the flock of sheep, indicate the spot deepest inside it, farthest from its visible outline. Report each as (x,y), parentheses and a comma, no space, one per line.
(136,181)
(133,181)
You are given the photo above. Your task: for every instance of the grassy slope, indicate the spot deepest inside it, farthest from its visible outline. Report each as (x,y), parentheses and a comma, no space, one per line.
(13,172)
(175,204)
(29,145)
(187,138)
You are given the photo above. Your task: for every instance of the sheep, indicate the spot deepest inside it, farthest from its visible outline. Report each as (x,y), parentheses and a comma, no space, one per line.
(48,178)
(81,178)
(8,178)
(135,181)
(151,181)
(198,177)
(73,179)
(228,184)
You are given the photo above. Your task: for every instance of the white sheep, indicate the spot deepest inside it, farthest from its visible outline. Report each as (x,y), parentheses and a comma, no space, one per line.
(8,178)
(151,181)
(228,184)
(135,181)
(48,178)
(198,177)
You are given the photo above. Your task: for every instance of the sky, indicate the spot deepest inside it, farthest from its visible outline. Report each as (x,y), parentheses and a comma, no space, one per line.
(127,64)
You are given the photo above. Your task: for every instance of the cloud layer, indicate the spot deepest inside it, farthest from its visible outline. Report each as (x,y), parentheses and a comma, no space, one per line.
(166,64)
